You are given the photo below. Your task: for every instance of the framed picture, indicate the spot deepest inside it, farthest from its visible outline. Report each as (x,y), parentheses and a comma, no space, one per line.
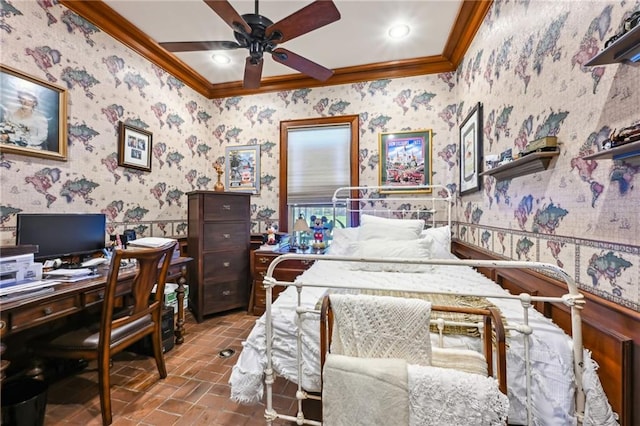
(33,116)
(405,160)
(242,165)
(134,148)
(471,151)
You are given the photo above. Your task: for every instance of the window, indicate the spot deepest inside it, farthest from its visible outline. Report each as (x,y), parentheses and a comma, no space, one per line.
(317,156)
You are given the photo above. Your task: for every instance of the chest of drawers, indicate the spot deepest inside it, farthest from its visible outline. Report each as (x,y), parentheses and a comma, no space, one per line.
(285,271)
(218,241)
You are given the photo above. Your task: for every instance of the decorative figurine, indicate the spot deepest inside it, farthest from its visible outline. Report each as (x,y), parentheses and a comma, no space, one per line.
(219,186)
(318,234)
(271,236)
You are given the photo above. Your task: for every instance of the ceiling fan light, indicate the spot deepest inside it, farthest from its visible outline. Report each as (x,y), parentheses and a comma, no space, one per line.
(220,59)
(399,31)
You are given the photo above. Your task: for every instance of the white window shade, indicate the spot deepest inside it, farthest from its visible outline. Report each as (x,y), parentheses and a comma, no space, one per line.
(318,162)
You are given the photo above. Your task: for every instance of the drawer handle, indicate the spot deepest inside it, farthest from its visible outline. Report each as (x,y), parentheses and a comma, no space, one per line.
(2,325)
(101,295)
(226,236)
(264,260)
(226,264)
(226,207)
(48,310)
(226,292)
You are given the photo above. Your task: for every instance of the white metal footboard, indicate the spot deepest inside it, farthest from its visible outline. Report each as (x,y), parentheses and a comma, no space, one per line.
(573,299)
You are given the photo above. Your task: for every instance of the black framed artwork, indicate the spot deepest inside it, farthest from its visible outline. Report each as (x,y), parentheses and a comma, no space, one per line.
(134,147)
(471,151)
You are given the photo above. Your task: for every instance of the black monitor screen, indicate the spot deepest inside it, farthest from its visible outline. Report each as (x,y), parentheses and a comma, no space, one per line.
(62,234)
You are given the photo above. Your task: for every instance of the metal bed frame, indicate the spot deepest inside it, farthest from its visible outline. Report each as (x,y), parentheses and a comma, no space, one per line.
(573,299)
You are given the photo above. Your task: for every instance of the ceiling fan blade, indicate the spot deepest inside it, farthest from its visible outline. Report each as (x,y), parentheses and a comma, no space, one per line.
(252,73)
(304,65)
(229,15)
(193,46)
(309,18)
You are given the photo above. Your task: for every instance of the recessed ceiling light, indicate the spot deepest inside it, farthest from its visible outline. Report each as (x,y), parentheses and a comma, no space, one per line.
(399,31)
(220,59)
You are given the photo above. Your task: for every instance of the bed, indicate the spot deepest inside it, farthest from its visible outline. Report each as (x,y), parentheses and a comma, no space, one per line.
(551,378)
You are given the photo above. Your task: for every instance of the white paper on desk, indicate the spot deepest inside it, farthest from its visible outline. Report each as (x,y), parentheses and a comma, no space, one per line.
(27,286)
(69,272)
(150,242)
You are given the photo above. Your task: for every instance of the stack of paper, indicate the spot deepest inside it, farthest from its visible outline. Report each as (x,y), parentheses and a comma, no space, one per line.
(26,287)
(150,242)
(69,275)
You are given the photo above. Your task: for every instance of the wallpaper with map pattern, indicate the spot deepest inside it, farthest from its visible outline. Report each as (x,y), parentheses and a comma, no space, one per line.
(525,66)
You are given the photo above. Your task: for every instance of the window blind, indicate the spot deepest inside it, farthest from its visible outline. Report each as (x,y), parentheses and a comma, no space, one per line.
(317,163)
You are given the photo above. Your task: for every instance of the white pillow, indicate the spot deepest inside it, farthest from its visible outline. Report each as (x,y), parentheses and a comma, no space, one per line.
(441,238)
(374,227)
(389,249)
(341,239)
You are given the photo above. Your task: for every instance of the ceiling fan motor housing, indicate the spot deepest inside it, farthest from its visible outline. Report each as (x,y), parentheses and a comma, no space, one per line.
(256,42)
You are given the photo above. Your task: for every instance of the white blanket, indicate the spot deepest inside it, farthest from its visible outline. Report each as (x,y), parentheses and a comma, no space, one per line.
(551,354)
(446,397)
(388,391)
(381,327)
(364,391)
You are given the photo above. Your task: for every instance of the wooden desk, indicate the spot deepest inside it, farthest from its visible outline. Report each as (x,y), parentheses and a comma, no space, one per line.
(70,298)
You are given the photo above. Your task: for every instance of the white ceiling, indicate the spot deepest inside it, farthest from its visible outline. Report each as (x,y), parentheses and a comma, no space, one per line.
(358,38)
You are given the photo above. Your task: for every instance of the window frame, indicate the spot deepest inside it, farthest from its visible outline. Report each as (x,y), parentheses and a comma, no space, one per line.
(353,121)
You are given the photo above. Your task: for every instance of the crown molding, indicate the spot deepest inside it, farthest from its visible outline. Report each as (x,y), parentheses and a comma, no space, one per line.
(468,21)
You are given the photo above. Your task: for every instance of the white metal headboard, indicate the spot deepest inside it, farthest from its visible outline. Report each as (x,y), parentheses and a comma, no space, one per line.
(432,203)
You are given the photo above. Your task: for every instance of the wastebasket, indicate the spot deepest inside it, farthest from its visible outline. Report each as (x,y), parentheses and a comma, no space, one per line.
(24,402)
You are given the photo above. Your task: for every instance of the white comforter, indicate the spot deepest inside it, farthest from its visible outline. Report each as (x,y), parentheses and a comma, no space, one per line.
(550,348)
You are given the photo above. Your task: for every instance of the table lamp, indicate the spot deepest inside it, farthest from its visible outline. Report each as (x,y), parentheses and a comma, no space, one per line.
(299,227)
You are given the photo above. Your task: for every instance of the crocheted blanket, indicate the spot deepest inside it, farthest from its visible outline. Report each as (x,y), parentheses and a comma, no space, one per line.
(372,391)
(438,299)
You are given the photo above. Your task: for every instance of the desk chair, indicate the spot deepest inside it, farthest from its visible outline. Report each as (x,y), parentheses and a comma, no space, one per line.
(126,325)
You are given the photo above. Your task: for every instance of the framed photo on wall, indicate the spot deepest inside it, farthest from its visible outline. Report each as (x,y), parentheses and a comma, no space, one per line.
(242,165)
(134,147)
(471,151)
(405,160)
(33,116)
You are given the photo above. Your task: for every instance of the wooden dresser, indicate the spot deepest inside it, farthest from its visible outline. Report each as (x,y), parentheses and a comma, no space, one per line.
(285,271)
(218,241)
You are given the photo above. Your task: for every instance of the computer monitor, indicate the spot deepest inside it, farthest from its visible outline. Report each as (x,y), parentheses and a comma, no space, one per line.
(62,234)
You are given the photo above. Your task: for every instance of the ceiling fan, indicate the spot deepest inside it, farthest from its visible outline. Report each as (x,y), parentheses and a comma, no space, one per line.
(260,35)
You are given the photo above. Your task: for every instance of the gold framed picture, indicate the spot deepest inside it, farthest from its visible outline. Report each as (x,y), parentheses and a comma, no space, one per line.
(33,116)
(405,160)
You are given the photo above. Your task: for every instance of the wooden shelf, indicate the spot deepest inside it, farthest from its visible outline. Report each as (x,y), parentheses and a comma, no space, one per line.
(532,163)
(618,153)
(620,50)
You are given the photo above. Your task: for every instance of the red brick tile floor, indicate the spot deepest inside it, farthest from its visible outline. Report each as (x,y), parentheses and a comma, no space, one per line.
(195,392)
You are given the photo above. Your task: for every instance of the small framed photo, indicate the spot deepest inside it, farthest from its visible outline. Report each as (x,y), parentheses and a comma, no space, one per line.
(242,165)
(471,151)
(33,116)
(134,148)
(405,160)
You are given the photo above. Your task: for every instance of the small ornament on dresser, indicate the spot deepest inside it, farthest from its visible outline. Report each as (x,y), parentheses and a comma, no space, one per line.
(219,186)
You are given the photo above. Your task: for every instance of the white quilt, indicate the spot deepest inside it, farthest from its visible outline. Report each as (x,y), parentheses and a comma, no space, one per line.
(550,349)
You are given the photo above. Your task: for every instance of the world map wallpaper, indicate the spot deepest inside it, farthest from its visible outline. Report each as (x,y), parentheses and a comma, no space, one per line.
(526,66)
